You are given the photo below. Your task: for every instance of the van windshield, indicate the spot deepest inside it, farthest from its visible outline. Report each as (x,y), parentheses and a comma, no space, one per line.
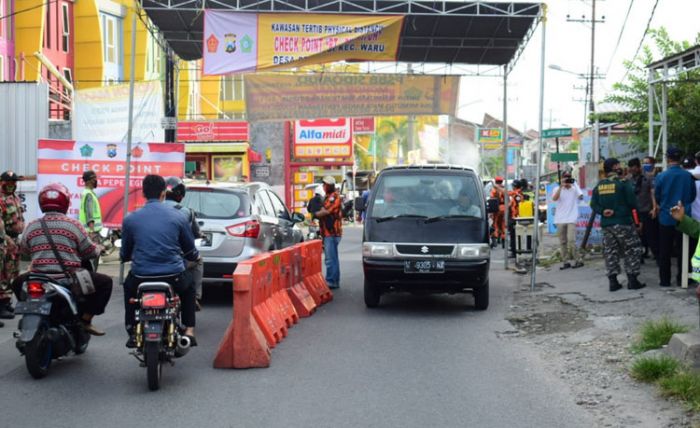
(427,195)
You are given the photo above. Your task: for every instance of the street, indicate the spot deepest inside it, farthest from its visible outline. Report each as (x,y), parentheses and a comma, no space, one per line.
(413,362)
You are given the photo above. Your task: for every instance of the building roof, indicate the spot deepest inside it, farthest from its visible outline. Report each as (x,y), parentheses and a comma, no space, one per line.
(445,32)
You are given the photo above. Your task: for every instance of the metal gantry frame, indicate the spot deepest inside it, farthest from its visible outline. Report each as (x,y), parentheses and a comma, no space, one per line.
(663,72)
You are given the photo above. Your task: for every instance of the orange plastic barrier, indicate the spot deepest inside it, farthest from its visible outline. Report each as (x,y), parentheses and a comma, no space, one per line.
(270,292)
(312,255)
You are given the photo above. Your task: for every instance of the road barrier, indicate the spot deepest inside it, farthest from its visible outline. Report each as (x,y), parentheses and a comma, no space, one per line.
(270,293)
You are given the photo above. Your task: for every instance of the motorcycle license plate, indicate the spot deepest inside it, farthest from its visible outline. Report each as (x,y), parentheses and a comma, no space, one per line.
(36,308)
(424,266)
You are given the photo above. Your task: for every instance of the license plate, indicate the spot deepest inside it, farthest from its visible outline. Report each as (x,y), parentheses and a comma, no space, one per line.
(424,266)
(38,308)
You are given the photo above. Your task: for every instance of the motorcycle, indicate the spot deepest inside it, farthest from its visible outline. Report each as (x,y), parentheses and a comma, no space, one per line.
(107,239)
(50,326)
(159,333)
(348,211)
(314,231)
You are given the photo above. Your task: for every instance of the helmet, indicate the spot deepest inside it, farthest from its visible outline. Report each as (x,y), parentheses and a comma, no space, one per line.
(499,179)
(54,197)
(174,188)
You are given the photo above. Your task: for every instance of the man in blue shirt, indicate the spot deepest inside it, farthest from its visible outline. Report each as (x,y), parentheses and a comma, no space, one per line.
(672,186)
(155,238)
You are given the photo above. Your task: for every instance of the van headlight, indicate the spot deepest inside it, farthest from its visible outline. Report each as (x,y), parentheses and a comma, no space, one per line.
(377,249)
(473,251)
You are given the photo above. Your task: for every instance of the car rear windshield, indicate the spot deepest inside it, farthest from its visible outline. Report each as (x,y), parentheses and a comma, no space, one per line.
(217,204)
(429,195)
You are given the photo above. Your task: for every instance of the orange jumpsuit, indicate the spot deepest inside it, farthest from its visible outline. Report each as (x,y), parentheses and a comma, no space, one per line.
(499,224)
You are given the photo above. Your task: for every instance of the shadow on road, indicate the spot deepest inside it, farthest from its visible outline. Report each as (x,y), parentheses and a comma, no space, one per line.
(429,305)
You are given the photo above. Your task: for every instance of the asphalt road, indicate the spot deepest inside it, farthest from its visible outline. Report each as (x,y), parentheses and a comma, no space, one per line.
(413,362)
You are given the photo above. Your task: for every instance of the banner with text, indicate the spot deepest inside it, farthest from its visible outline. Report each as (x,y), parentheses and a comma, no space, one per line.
(102,114)
(63,161)
(311,96)
(323,138)
(241,42)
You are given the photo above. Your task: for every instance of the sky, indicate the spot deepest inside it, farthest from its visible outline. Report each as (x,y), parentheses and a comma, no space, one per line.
(568,45)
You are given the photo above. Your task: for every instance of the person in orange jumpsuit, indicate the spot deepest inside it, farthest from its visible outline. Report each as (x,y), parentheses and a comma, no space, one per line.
(498,219)
(515,197)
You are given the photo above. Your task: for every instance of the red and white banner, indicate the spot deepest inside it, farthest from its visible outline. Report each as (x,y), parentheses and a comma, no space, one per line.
(363,125)
(190,131)
(64,161)
(323,138)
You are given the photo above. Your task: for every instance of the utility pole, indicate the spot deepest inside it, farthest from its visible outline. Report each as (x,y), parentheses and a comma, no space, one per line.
(411,137)
(591,105)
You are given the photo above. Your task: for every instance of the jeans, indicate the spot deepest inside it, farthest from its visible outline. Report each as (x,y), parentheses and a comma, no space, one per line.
(330,252)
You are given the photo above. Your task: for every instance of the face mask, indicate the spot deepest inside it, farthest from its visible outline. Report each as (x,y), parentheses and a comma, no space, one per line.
(647,167)
(94,184)
(619,172)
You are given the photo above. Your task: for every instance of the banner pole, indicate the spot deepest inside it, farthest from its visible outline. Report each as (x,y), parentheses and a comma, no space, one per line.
(131,125)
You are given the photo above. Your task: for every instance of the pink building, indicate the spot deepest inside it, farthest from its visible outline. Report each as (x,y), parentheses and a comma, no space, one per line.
(58,49)
(7,41)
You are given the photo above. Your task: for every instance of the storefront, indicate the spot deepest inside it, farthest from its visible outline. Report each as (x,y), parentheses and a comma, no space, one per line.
(216,151)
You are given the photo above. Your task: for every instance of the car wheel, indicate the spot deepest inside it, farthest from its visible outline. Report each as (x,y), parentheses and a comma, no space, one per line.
(481,297)
(372,294)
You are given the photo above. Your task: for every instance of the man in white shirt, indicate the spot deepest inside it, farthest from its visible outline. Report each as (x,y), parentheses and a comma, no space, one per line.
(566,197)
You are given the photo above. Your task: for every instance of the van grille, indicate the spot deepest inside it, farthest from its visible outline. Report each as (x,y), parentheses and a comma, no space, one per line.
(426,250)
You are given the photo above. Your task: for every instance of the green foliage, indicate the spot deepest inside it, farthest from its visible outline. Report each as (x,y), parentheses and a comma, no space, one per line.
(683,385)
(494,164)
(683,96)
(655,334)
(651,369)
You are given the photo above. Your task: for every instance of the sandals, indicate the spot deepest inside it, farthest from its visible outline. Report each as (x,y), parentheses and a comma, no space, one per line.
(565,266)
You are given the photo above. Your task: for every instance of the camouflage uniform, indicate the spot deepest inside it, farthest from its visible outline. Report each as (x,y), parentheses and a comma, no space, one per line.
(622,240)
(13,222)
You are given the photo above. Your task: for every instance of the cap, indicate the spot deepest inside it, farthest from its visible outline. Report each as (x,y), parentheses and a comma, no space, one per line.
(499,179)
(609,163)
(674,153)
(88,175)
(329,180)
(10,176)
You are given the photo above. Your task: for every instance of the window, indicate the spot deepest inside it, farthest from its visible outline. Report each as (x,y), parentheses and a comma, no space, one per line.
(47,33)
(110,38)
(65,34)
(232,87)
(263,203)
(280,209)
(214,204)
(69,77)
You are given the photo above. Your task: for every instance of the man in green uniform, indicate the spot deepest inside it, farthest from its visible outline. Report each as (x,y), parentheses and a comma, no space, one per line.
(614,199)
(13,222)
(91,214)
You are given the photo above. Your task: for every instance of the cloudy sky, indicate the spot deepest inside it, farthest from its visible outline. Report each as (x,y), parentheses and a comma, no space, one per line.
(568,46)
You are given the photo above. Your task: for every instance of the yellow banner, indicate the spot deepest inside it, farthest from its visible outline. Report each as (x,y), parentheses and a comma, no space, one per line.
(240,42)
(322,95)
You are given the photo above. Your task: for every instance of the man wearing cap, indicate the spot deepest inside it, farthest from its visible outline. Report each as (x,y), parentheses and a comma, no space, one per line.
(566,197)
(499,224)
(90,211)
(331,227)
(13,222)
(614,199)
(672,186)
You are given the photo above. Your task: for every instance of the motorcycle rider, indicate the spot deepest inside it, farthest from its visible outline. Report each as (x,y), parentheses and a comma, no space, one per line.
(174,193)
(73,245)
(155,239)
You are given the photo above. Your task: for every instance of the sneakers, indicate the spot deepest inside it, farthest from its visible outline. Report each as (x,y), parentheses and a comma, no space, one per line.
(566,265)
(92,330)
(7,312)
(197,305)
(2,324)
(333,286)
(131,342)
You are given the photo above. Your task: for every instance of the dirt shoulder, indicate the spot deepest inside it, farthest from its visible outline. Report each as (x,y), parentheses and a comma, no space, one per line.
(583,333)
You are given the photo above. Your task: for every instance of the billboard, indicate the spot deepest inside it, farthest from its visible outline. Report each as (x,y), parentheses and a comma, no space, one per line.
(64,161)
(323,138)
(243,42)
(271,97)
(191,131)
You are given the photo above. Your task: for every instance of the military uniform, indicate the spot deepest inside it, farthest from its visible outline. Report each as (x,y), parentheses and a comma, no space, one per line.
(620,238)
(13,222)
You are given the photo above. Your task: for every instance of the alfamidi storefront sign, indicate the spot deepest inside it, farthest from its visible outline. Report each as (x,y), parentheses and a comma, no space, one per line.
(323,138)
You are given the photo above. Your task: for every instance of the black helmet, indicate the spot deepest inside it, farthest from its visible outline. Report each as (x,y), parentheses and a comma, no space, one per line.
(175,189)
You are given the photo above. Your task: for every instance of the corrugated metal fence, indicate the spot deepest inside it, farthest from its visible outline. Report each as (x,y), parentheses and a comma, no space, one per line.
(24,108)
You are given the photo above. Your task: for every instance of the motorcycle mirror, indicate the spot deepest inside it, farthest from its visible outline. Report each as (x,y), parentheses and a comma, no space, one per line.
(118,243)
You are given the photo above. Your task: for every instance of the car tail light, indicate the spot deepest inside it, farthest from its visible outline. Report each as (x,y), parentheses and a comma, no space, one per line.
(153,300)
(249,229)
(35,290)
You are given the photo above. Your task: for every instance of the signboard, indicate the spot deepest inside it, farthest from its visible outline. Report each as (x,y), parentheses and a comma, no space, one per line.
(63,161)
(303,178)
(564,157)
(310,96)
(323,138)
(491,138)
(102,114)
(243,42)
(557,132)
(302,195)
(168,123)
(363,125)
(259,172)
(188,131)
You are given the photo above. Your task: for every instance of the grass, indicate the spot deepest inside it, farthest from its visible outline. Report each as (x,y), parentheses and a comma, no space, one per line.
(656,334)
(684,386)
(652,369)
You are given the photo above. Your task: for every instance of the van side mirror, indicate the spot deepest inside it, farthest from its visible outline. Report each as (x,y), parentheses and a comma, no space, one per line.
(360,204)
(298,218)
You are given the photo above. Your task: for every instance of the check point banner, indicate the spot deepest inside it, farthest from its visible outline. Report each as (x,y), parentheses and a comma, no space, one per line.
(64,161)
(236,42)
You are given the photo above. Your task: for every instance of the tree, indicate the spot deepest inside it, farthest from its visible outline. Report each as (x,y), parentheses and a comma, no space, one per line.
(683,97)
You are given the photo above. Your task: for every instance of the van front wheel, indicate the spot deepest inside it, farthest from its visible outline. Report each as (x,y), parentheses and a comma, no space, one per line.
(481,297)
(372,294)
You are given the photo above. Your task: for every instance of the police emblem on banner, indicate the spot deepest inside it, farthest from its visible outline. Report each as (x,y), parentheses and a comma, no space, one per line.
(230,42)
(112,150)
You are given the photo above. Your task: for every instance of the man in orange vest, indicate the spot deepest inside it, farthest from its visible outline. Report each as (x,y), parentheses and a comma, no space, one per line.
(515,197)
(499,225)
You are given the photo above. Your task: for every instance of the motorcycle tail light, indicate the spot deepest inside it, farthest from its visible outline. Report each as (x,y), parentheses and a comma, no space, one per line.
(35,290)
(153,300)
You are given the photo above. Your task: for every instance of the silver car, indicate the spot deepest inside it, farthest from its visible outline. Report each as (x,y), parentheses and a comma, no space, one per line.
(239,221)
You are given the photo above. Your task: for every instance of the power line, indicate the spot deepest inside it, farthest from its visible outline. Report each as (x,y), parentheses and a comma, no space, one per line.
(619,37)
(641,42)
